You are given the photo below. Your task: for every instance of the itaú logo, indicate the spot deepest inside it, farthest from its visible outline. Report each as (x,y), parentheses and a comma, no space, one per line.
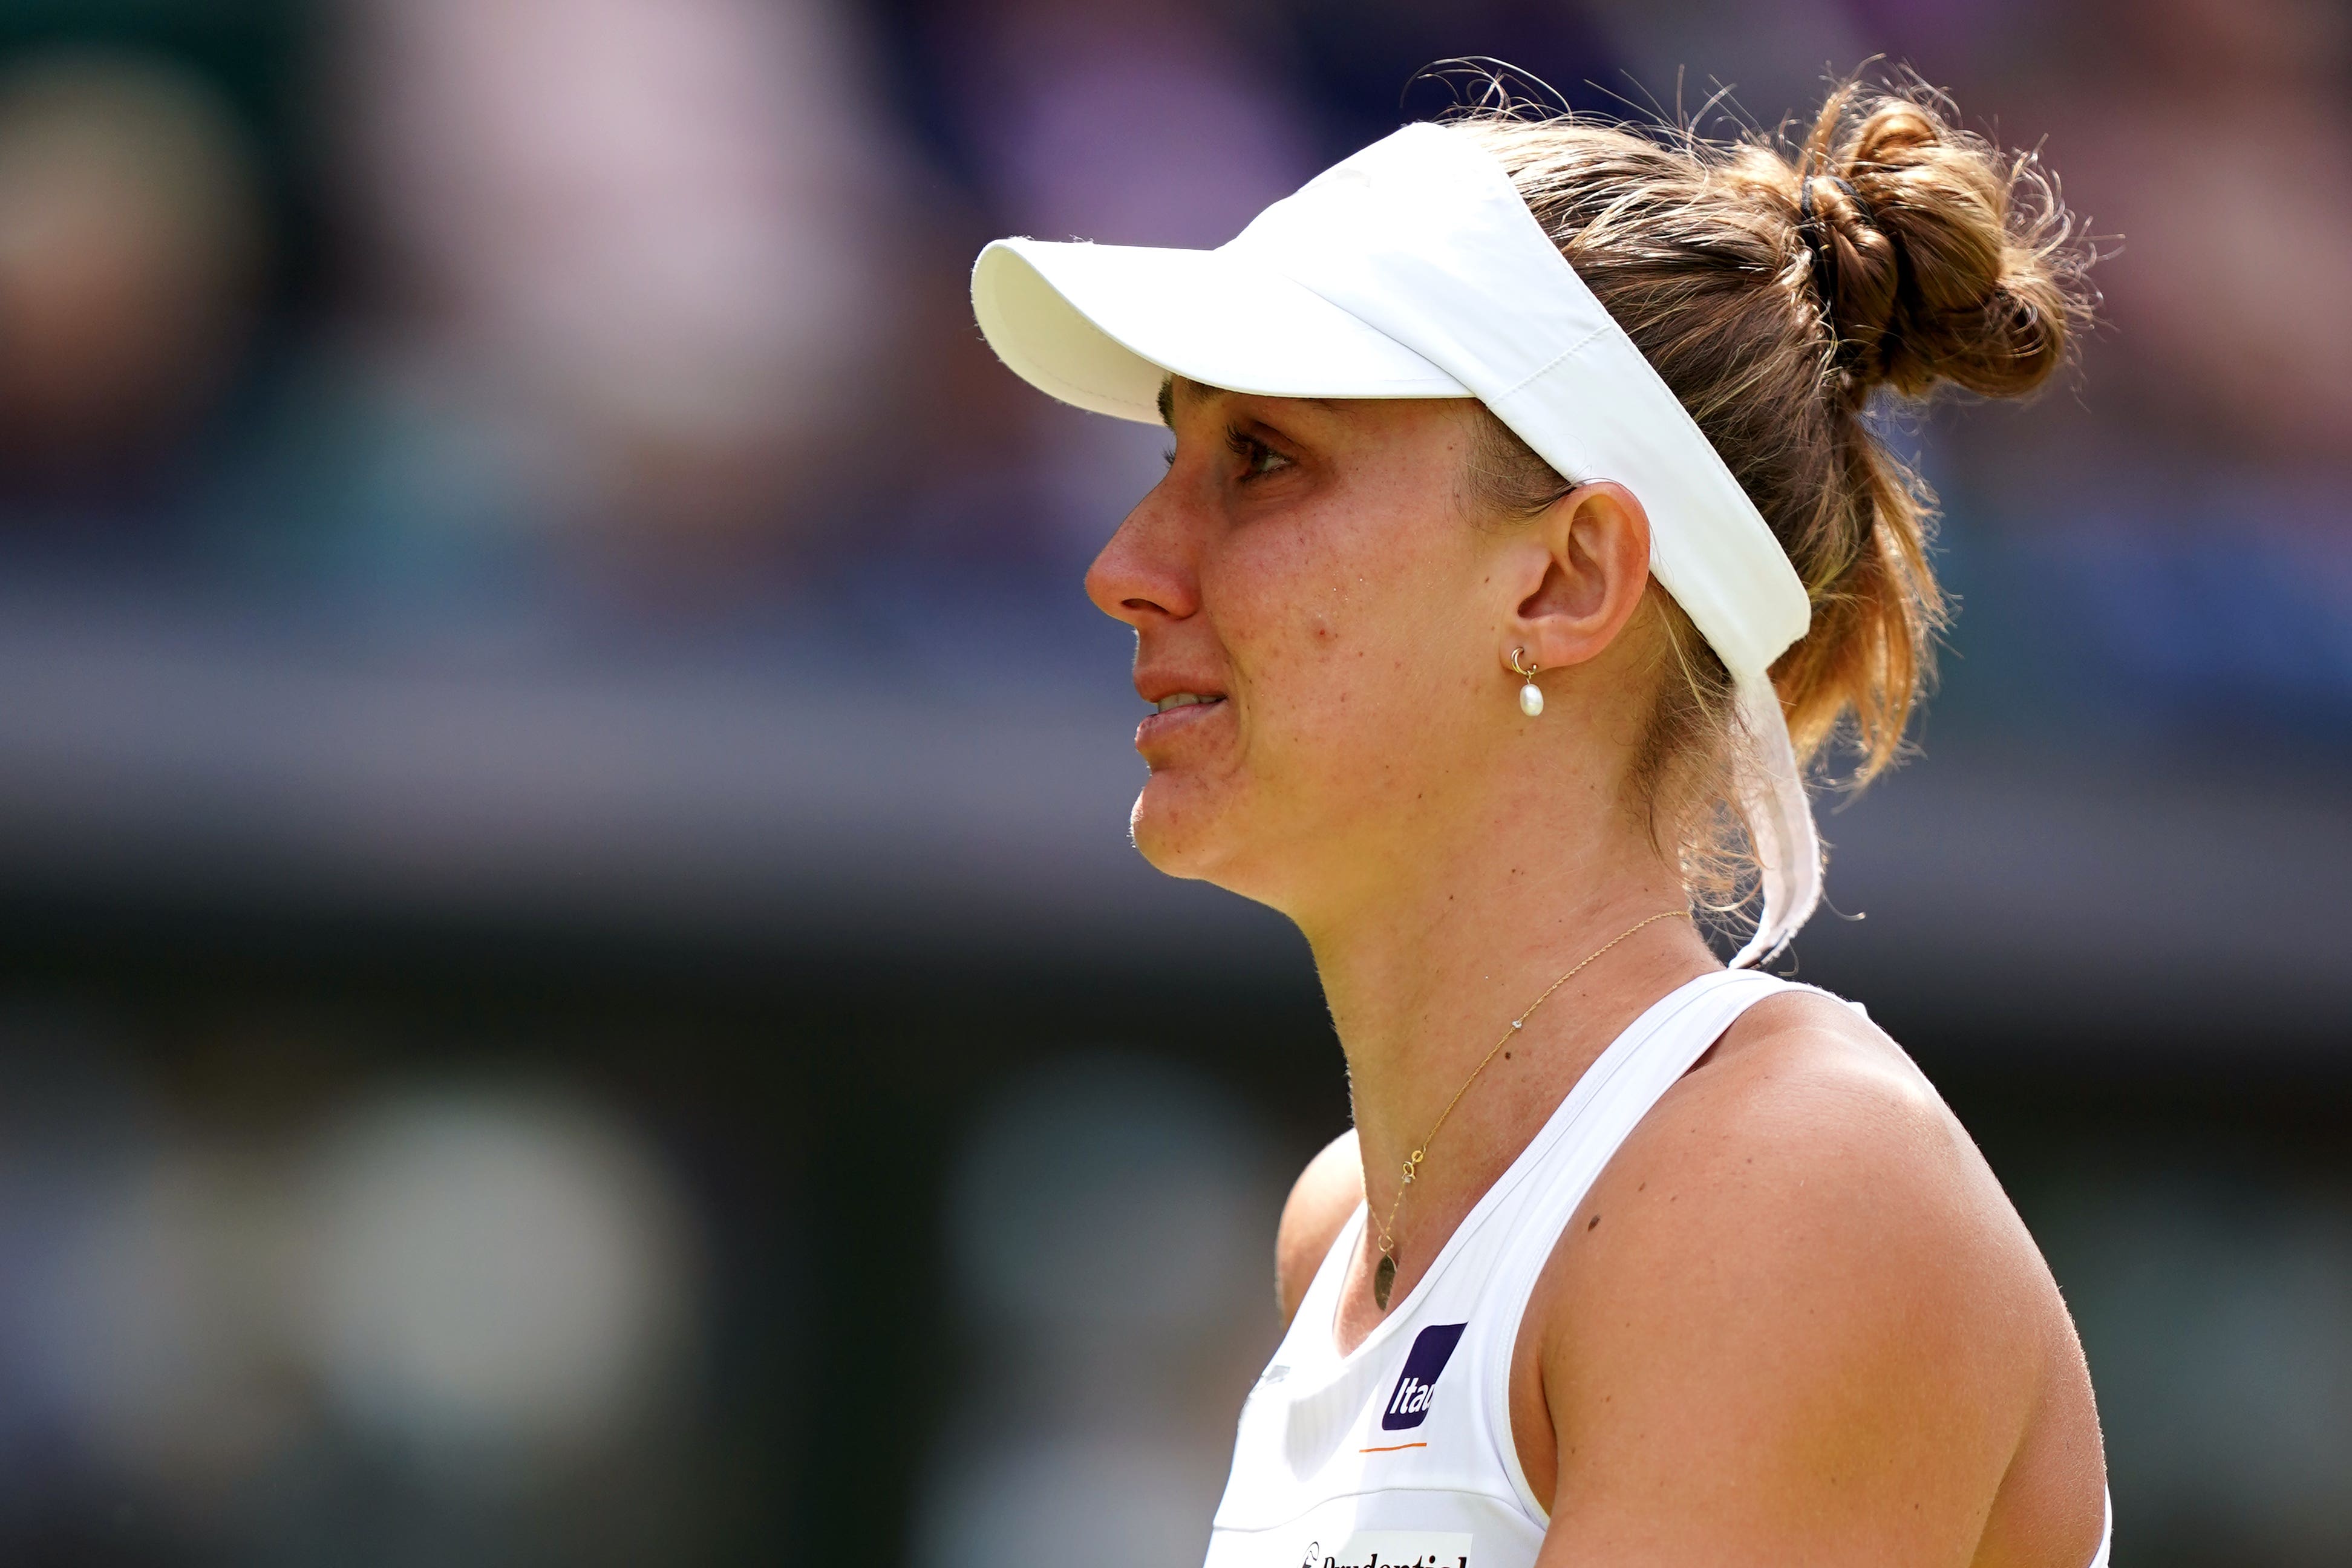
(1411,1399)
(1417,1384)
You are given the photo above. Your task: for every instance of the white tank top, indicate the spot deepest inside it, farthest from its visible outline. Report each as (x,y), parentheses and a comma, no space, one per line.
(1401,1453)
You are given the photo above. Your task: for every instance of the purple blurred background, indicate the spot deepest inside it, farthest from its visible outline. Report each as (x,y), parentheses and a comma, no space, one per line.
(572,989)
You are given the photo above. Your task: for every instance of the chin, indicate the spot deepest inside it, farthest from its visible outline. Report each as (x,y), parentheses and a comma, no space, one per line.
(1178,833)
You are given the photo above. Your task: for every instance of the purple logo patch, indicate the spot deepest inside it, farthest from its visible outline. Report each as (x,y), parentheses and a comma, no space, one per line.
(1409,1402)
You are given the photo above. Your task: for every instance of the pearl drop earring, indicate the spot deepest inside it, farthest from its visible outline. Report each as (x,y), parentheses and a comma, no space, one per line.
(1530,695)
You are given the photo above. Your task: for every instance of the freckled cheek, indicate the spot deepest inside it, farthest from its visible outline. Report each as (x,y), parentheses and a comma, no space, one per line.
(1310,639)
(1301,677)
(1304,607)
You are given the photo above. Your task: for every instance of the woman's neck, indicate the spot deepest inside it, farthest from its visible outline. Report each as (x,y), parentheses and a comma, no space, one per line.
(1423,979)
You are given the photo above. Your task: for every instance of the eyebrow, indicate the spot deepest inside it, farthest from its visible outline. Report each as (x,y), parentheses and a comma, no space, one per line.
(1201,392)
(1168,397)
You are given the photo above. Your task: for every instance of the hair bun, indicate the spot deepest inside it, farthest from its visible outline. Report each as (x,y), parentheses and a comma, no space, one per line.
(1937,258)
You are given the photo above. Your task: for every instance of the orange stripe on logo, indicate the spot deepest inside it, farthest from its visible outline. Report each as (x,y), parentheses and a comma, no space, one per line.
(1392,1448)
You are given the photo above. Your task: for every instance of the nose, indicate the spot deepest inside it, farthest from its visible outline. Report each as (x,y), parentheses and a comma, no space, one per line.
(1146,574)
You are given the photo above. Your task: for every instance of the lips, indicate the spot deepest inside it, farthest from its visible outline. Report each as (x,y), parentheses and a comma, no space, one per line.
(1184,700)
(1177,711)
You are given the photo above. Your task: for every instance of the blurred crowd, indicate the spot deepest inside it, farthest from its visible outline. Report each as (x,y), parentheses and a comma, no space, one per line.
(458,1318)
(651,311)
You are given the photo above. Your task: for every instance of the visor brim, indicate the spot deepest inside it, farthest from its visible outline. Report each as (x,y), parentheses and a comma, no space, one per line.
(1103,326)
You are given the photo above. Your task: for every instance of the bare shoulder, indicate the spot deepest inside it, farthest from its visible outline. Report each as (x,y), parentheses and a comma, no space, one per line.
(1839,1308)
(1320,1200)
(1808,1139)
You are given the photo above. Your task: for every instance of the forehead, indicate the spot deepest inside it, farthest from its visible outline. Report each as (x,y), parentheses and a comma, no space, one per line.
(1182,391)
(1177,392)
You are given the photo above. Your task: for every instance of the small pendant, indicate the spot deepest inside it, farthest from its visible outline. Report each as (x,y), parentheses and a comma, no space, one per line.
(1383,1280)
(1531,699)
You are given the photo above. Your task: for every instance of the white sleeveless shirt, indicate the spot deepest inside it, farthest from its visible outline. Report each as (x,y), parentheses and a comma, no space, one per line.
(1401,1453)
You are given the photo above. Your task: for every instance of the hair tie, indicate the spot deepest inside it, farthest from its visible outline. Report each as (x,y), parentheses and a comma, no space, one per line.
(1817,238)
(1805,195)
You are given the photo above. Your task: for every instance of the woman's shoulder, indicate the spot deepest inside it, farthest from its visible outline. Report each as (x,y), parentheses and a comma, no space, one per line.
(1831,1282)
(1809,1154)
(1320,1200)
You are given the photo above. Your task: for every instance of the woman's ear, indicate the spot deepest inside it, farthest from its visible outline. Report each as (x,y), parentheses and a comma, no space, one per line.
(1597,538)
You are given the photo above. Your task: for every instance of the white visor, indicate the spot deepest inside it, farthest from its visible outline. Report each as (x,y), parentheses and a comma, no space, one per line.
(1414,269)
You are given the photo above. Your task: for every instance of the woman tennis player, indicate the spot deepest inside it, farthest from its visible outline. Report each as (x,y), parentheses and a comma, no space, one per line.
(1526,537)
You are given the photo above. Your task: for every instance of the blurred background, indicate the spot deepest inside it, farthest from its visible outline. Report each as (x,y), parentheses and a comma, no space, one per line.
(572,989)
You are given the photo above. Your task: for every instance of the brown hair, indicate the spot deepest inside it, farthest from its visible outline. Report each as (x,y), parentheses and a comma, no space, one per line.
(1781,286)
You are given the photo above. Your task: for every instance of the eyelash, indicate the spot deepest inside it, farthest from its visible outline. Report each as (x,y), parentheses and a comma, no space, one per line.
(1244,446)
(1252,451)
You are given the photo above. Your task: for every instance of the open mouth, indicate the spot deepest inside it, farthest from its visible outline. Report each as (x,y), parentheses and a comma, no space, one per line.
(1177,711)
(1185,700)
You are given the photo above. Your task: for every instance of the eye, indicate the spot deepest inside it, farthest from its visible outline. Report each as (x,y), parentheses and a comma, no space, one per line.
(1258,458)
(1169,457)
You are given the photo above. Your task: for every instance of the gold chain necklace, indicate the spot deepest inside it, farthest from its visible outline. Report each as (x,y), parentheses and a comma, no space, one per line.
(1385,1273)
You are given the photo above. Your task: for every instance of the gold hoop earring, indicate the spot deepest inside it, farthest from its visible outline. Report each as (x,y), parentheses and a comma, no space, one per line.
(1530,695)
